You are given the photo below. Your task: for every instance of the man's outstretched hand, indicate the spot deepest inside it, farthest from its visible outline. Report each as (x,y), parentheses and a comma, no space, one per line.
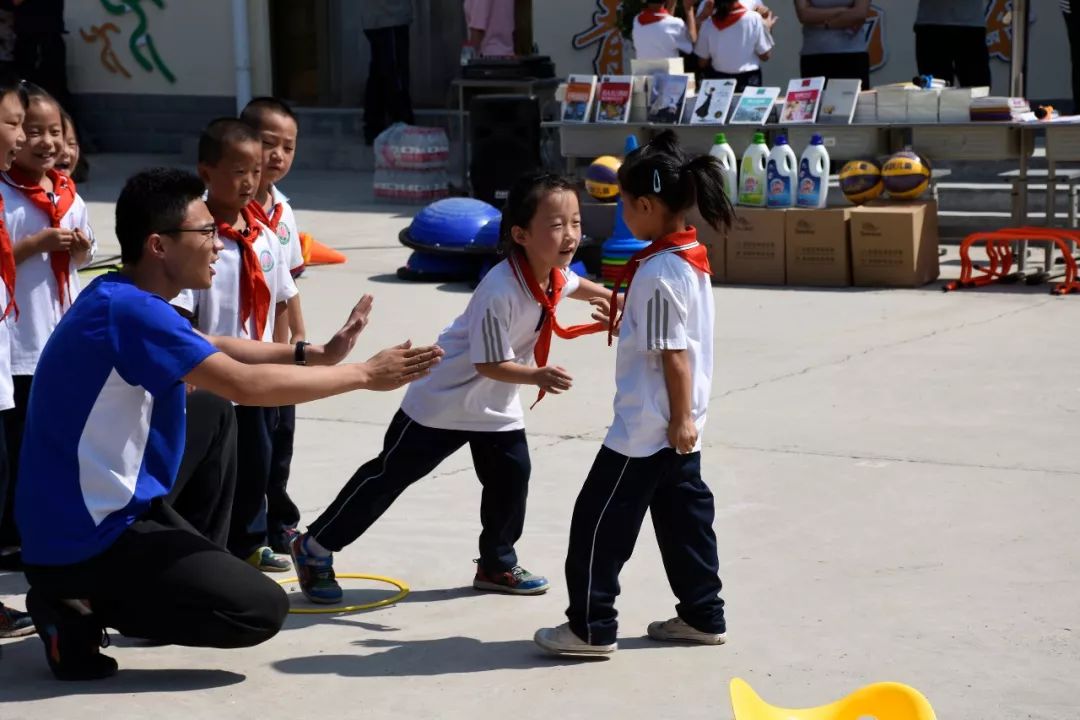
(401,364)
(344,340)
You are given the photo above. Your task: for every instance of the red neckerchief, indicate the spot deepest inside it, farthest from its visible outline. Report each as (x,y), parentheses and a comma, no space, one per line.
(732,17)
(684,244)
(648,17)
(7,265)
(55,208)
(270,221)
(254,292)
(520,265)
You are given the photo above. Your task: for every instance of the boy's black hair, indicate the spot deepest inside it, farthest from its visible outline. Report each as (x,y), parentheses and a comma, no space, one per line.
(661,169)
(524,197)
(256,109)
(153,201)
(723,8)
(10,83)
(219,133)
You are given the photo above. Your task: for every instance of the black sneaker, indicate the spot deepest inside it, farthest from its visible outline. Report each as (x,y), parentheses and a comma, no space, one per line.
(73,641)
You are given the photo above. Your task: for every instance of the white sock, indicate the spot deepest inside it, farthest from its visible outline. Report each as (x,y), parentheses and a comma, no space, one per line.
(312,546)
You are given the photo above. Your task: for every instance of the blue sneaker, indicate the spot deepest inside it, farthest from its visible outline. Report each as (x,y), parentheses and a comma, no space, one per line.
(515,581)
(316,574)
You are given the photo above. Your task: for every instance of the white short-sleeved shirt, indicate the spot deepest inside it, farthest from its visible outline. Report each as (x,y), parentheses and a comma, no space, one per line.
(735,49)
(288,233)
(501,322)
(670,307)
(217,309)
(665,38)
(35,284)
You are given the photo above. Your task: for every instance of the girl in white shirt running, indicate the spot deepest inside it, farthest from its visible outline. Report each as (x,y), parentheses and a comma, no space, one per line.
(651,457)
(471,397)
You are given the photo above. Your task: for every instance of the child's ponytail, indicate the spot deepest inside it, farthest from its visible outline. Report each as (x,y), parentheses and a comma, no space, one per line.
(661,169)
(707,182)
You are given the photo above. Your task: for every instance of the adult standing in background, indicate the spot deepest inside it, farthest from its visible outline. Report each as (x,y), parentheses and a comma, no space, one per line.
(833,46)
(491,27)
(40,53)
(950,41)
(1072,27)
(386,97)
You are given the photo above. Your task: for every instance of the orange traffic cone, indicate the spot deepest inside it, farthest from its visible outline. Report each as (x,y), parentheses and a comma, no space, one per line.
(315,253)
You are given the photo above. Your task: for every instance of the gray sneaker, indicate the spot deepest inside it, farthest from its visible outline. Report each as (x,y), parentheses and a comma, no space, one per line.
(561,640)
(676,630)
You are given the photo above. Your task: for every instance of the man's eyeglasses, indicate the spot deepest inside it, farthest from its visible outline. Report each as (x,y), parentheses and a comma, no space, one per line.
(208,232)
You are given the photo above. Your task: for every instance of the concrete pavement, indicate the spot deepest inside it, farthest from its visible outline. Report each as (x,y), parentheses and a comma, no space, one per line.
(896,484)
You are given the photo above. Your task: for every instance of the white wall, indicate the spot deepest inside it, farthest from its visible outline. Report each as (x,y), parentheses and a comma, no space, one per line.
(192,37)
(556,22)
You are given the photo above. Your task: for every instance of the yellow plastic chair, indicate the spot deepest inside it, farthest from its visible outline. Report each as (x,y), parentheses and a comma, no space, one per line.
(880,701)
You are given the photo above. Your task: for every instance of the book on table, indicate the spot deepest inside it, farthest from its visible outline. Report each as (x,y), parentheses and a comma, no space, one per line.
(802,101)
(838,102)
(578,98)
(713,102)
(613,98)
(755,105)
(666,98)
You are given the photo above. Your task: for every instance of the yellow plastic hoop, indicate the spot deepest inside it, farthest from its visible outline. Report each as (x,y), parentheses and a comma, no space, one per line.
(403,591)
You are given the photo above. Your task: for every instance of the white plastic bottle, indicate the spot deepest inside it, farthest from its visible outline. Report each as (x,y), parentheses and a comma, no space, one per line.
(729,166)
(781,173)
(752,173)
(813,175)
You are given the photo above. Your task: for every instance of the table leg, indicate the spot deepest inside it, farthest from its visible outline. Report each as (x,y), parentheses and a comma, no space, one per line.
(1051,212)
(464,141)
(1021,205)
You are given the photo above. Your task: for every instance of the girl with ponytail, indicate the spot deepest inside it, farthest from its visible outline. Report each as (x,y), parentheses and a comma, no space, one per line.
(651,457)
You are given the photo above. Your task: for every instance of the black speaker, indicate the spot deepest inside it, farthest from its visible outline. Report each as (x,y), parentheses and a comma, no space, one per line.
(505,143)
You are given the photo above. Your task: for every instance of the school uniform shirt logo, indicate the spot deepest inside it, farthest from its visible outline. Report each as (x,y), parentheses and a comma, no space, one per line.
(266,260)
(283,234)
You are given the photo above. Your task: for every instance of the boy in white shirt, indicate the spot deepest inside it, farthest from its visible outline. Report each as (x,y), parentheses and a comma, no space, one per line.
(278,128)
(248,298)
(51,238)
(651,457)
(658,34)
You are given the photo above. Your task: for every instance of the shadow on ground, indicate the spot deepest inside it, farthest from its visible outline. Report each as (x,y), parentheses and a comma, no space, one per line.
(25,677)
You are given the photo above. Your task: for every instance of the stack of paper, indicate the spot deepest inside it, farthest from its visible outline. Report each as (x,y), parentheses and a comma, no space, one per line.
(866,107)
(892,102)
(955,103)
(991,109)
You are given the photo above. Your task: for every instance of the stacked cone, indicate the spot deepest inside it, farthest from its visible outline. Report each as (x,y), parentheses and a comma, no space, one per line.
(621,246)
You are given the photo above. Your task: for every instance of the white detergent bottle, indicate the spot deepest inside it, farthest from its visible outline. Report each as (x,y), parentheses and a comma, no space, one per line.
(752,173)
(813,175)
(781,173)
(729,166)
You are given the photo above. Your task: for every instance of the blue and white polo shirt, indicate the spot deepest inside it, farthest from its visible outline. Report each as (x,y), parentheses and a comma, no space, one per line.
(105,427)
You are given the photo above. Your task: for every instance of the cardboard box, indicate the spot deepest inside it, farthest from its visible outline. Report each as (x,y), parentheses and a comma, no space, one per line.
(818,248)
(755,247)
(714,241)
(894,244)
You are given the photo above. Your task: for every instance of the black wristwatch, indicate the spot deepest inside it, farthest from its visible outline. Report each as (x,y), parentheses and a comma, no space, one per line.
(301,353)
